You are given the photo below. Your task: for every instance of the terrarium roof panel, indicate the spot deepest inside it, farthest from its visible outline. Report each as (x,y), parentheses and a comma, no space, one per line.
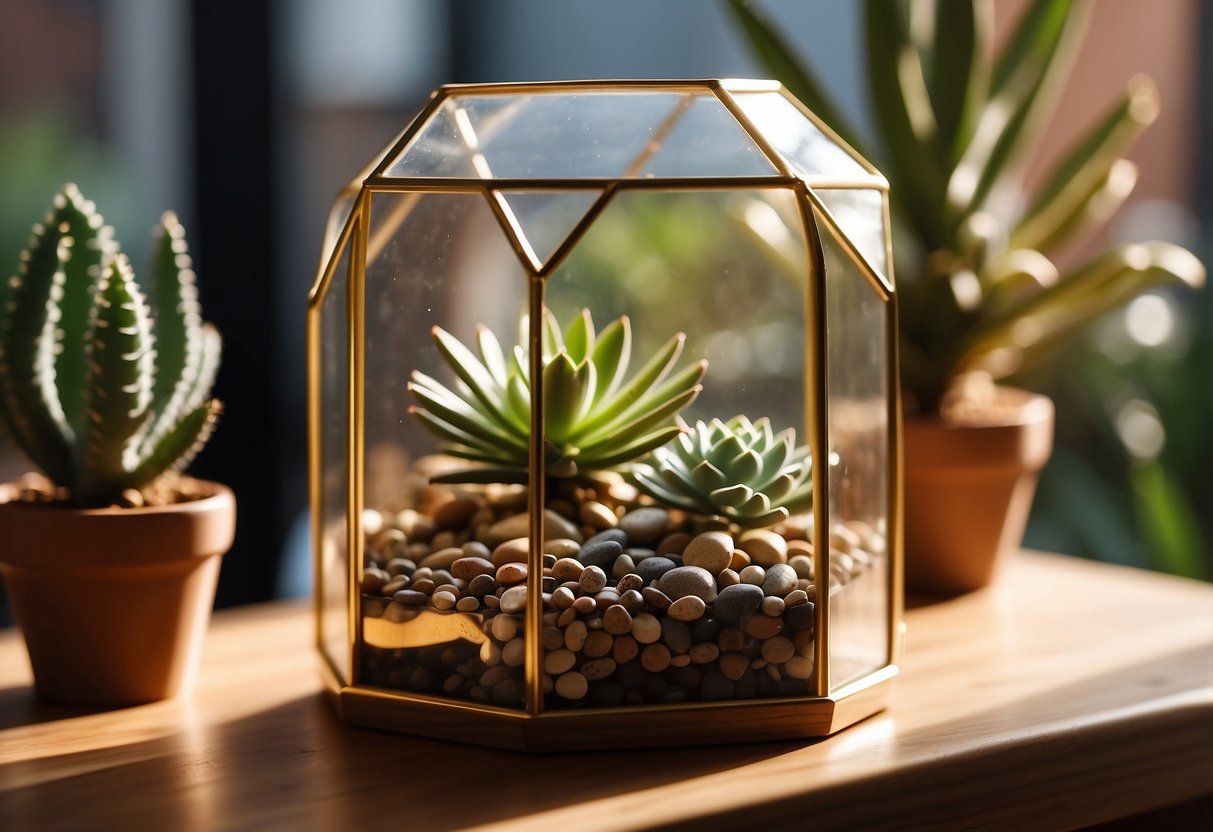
(859,213)
(808,150)
(581,134)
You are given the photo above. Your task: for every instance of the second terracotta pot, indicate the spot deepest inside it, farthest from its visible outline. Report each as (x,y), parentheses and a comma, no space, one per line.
(969,484)
(114,602)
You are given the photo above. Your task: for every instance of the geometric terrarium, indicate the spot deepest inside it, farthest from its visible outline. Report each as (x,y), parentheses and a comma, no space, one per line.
(604,421)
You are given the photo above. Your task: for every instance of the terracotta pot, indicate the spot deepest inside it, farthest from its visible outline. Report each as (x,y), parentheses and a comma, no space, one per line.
(969,484)
(114,602)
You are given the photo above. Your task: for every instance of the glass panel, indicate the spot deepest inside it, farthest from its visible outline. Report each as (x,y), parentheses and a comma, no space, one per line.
(431,606)
(332,578)
(706,140)
(644,590)
(809,151)
(857,419)
(581,134)
(546,218)
(860,215)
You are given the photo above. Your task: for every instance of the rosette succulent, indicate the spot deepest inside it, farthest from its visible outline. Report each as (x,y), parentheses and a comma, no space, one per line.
(738,469)
(103,387)
(595,416)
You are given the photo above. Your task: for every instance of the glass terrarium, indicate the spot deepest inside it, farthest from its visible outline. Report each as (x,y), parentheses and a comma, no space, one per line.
(604,421)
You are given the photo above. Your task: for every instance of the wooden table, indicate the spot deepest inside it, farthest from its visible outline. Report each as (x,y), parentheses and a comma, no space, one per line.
(1071,693)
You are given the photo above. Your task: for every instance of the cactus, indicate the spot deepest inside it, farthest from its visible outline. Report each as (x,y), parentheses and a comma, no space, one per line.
(103,387)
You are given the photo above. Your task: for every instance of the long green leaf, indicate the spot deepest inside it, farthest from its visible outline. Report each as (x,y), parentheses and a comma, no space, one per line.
(1091,290)
(1018,105)
(612,353)
(470,370)
(959,73)
(651,373)
(1030,42)
(456,413)
(656,398)
(564,388)
(903,108)
(661,413)
(781,62)
(1088,163)
(1087,211)
(579,337)
(491,355)
(1168,521)
(634,449)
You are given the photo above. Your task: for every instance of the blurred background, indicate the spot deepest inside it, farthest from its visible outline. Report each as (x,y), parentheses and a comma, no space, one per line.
(247,117)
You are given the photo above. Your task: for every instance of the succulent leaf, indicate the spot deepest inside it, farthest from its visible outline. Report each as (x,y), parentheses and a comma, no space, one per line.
(178,447)
(593,418)
(720,468)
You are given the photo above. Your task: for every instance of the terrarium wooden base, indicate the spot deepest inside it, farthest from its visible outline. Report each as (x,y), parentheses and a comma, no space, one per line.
(701,723)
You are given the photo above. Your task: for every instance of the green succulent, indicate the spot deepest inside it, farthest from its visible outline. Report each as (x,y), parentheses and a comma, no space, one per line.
(738,469)
(956,124)
(103,388)
(595,417)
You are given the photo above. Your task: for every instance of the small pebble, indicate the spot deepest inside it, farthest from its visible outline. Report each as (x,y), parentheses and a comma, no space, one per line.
(617,620)
(795,598)
(592,580)
(631,600)
(801,617)
(442,558)
(688,608)
(575,635)
(552,638)
(395,585)
(373,580)
(597,515)
(653,568)
(803,565)
(513,600)
(739,561)
(562,548)
(712,551)
(597,669)
(727,578)
(680,661)
(687,580)
(798,667)
(504,627)
(624,649)
(467,604)
(623,565)
(600,553)
(511,573)
(763,626)
(736,603)
(411,598)
(777,650)
(765,547)
(563,598)
(675,635)
(584,605)
(556,662)
(513,550)
(567,569)
(646,629)
(673,544)
(645,525)
(704,653)
(733,665)
(655,598)
(780,580)
(482,585)
(628,582)
(476,549)
(597,644)
(514,653)
(754,575)
(606,598)
(772,605)
(572,686)
(655,658)
(443,600)
(467,568)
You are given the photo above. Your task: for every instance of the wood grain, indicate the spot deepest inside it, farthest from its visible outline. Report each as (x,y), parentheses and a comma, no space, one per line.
(1070,693)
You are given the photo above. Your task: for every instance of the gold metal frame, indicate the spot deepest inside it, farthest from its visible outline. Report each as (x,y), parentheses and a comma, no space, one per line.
(532,727)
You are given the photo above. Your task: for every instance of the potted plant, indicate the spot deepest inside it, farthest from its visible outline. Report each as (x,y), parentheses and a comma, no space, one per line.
(111,562)
(980,298)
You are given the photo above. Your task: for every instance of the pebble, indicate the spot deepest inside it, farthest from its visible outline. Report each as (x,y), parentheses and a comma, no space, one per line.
(780,580)
(763,626)
(655,658)
(735,603)
(765,547)
(562,548)
(572,685)
(655,598)
(795,597)
(617,620)
(514,653)
(552,638)
(772,605)
(575,635)
(624,565)
(592,580)
(682,581)
(712,551)
(753,575)
(624,649)
(411,598)
(727,578)
(597,669)
(688,608)
(803,565)
(733,665)
(513,550)
(653,568)
(617,535)
(629,582)
(563,598)
(606,598)
(601,553)
(798,667)
(803,616)
(777,650)
(467,604)
(680,661)
(556,662)
(482,585)
(567,569)
(704,653)
(373,580)
(503,627)
(598,516)
(739,560)
(673,544)
(645,525)
(395,585)
(646,629)
(442,558)
(631,600)
(401,566)
(467,568)
(597,644)
(584,605)
(676,635)
(443,600)
(511,573)
(513,600)
(476,549)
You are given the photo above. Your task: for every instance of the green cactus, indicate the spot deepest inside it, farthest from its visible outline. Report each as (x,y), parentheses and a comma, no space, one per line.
(103,388)
(739,469)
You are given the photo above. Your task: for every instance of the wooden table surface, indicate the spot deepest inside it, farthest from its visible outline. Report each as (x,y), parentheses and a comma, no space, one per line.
(1070,693)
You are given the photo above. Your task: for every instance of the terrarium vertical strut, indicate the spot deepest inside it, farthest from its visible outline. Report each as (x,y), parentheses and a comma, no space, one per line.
(632,603)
